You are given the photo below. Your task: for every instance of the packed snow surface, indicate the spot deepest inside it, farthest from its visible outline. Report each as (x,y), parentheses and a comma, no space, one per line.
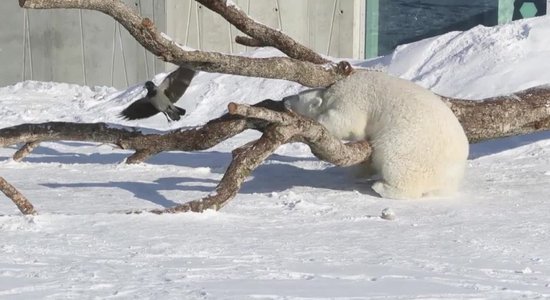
(299,228)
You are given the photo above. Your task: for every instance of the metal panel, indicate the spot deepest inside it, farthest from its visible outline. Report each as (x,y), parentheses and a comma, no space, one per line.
(12,51)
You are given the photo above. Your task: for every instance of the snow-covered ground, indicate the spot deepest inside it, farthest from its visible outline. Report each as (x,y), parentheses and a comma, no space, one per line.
(299,228)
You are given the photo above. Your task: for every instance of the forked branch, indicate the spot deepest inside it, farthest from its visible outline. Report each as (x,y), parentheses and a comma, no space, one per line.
(145,144)
(283,127)
(319,74)
(262,34)
(523,112)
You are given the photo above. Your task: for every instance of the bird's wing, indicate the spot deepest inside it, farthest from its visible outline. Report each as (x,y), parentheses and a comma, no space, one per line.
(175,84)
(140,109)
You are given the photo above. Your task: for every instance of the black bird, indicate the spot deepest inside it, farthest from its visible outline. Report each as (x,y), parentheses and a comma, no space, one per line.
(162,98)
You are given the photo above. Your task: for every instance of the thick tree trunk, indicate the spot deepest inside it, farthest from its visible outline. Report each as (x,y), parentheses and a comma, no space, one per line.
(519,113)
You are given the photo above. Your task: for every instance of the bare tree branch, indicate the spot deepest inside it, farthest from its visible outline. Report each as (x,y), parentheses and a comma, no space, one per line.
(25,150)
(249,42)
(519,113)
(284,127)
(522,112)
(262,33)
(144,31)
(279,127)
(145,145)
(300,129)
(245,160)
(20,201)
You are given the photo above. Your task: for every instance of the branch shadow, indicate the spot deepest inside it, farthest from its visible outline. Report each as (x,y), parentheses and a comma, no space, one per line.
(148,191)
(272,177)
(278,173)
(502,144)
(45,154)
(215,160)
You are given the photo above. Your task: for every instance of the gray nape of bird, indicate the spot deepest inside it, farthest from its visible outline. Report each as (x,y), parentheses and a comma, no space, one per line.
(162,98)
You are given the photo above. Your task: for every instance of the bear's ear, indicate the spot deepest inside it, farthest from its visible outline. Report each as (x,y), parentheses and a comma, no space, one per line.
(315,103)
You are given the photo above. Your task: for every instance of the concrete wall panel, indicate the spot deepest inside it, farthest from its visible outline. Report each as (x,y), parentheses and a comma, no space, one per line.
(87,47)
(11,43)
(314,23)
(83,47)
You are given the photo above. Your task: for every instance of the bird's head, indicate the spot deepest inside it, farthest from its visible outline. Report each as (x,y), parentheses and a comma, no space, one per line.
(150,86)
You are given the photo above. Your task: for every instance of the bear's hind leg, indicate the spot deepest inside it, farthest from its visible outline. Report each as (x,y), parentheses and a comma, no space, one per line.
(388,191)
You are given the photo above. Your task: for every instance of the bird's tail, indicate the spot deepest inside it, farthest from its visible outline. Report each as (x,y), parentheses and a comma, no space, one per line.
(181,111)
(174,113)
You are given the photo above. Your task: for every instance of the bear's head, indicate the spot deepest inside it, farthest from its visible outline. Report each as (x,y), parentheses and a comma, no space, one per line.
(308,103)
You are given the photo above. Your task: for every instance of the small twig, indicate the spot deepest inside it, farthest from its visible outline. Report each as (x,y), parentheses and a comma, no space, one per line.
(25,150)
(18,199)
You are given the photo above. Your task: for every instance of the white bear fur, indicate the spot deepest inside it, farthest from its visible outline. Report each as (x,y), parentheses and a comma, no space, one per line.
(419,147)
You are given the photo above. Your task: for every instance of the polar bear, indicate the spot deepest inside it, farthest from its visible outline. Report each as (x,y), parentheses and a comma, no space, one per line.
(419,147)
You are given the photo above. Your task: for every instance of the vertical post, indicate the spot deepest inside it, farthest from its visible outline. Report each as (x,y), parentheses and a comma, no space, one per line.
(371,31)
(359,28)
(505,11)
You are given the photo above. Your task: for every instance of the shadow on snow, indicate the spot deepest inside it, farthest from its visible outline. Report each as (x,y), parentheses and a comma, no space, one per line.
(277,174)
(272,177)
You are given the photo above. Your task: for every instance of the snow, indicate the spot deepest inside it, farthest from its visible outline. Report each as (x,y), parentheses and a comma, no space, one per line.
(478,63)
(299,228)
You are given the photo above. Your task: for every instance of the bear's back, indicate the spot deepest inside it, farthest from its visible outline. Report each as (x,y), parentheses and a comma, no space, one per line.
(390,104)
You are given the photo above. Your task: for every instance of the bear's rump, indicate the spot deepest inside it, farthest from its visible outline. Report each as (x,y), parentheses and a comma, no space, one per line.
(418,166)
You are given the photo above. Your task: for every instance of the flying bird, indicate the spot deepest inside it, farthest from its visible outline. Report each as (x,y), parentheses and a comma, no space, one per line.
(162,98)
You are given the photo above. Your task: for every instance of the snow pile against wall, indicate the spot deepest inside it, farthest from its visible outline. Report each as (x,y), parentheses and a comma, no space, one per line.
(480,62)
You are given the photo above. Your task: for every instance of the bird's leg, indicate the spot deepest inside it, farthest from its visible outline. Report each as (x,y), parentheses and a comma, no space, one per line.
(167,118)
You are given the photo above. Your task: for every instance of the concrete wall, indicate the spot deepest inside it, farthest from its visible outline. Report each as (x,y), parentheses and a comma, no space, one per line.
(83,47)
(325,26)
(87,47)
